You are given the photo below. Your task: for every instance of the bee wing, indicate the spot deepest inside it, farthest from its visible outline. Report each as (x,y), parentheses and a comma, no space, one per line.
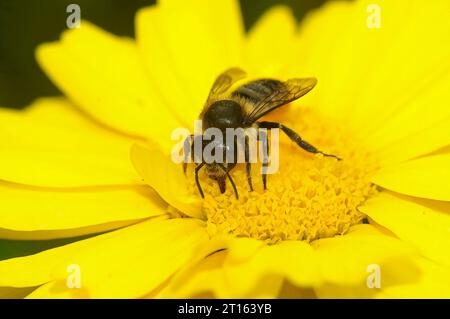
(266,94)
(224,82)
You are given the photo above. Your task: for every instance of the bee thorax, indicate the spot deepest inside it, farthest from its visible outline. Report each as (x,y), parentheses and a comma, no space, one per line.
(223,114)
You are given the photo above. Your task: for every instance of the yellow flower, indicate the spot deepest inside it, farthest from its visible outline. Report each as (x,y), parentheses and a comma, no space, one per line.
(322,229)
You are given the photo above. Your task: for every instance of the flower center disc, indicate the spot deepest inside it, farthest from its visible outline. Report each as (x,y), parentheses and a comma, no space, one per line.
(309,197)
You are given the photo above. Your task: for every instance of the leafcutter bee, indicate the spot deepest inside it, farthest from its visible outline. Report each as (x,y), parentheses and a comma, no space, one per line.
(242,108)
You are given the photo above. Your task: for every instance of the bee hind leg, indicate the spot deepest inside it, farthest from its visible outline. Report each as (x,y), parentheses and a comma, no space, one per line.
(296,138)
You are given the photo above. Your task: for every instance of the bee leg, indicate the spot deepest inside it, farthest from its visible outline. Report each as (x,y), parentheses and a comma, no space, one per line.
(295,137)
(248,164)
(231,180)
(197,169)
(187,148)
(265,162)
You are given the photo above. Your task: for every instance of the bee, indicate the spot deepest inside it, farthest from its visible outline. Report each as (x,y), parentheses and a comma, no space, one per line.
(242,108)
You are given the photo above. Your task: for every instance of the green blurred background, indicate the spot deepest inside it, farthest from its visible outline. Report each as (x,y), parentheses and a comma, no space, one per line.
(26,23)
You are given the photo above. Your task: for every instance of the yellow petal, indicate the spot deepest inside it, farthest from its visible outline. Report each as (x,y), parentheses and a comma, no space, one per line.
(293,260)
(290,291)
(423,223)
(126,263)
(14,293)
(419,96)
(200,277)
(36,151)
(434,282)
(270,40)
(226,285)
(57,169)
(242,249)
(61,113)
(415,145)
(104,75)
(329,47)
(246,268)
(162,71)
(211,274)
(419,113)
(57,290)
(165,177)
(330,291)
(64,233)
(355,63)
(55,123)
(345,259)
(394,272)
(416,278)
(28,211)
(427,177)
(203,38)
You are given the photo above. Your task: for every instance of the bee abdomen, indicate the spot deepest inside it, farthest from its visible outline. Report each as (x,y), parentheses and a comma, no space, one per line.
(257,90)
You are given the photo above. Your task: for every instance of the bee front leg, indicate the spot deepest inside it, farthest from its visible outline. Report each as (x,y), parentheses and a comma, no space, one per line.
(197,169)
(248,164)
(187,148)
